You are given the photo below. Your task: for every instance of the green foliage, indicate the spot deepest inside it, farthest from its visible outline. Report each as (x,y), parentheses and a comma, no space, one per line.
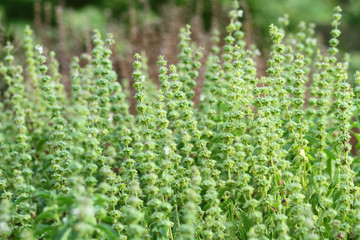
(92,16)
(258,158)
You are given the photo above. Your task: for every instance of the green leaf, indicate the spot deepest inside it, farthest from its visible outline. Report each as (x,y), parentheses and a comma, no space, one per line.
(357,135)
(100,200)
(164,232)
(64,200)
(222,191)
(110,233)
(310,157)
(246,221)
(314,200)
(355,125)
(330,162)
(207,206)
(41,143)
(42,193)
(108,219)
(42,229)
(310,192)
(20,200)
(45,215)
(63,234)
(223,107)
(311,139)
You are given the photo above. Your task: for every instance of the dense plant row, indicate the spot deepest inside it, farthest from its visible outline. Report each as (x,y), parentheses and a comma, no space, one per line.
(258,158)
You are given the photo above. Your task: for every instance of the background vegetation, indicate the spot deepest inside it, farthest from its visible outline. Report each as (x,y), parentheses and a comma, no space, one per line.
(131,21)
(225,129)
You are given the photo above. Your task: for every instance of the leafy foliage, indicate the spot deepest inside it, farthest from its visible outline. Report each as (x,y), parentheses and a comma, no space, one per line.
(258,158)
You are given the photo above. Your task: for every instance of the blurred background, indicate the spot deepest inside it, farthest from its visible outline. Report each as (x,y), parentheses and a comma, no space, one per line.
(152,26)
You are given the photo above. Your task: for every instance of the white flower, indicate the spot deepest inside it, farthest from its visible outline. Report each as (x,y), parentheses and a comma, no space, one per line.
(240,13)
(76,211)
(167,150)
(202,97)
(311,41)
(314,41)
(4,228)
(39,48)
(281,20)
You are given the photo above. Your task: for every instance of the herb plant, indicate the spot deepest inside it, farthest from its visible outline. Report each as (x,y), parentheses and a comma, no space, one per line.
(259,157)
